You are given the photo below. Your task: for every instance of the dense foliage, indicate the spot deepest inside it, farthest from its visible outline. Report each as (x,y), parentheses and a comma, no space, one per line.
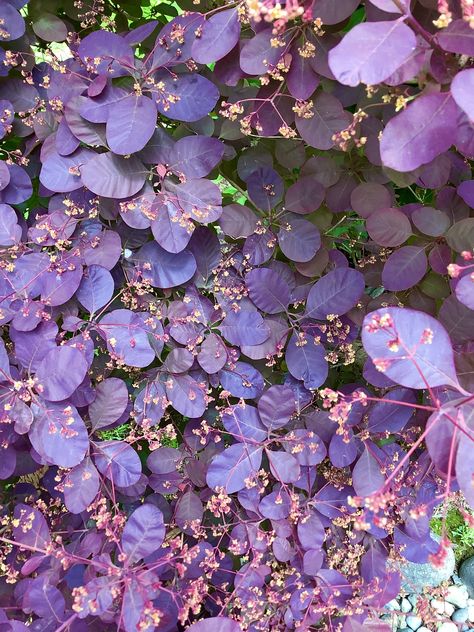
(236,307)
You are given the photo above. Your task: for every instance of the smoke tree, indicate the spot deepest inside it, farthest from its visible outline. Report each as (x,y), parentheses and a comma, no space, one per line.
(236,307)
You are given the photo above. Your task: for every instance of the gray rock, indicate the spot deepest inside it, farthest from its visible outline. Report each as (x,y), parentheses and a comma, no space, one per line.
(458,596)
(423,629)
(448,627)
(417,577)
(414,622)
(413,599)
(442,607)
(466,573)
(405,606)
(460,616)
(393,605)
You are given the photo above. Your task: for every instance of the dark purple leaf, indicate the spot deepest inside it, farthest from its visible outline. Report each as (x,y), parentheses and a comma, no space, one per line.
(306,360)
(130,124)
(60,373)
(298,238)
(409,347)
(335,293)
(144,532)
(195,156)
(58,434)
(118,461)
(233,467)
(268,291)
(219,34)
(404,268)
(244,328)
(113,176)
(81,485)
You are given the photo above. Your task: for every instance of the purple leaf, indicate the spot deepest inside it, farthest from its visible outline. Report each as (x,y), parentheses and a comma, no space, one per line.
(457,37)
(310,532)
(298,238)
(386,416)
(462,88)
(127,337)
(58,434)
(96,288)
(201,199)
(10,231)
(284,466)
(276,406)
(212,356)
(13,25)
(244,328)
(50,28)
(118,461)
(258,55)
(231,468)
(268,291)
(333,13)
(366,475)
(306,360)
(186,396)
(144,532)
(195,156)
(111,399)
(175,40)
(465,290)
(111,50)
(81,485)
(113,176)
(335,293)
(265,188)
(237,221)
(31,528)
(60,373)
(420,133)
(404,268)
(244,424)
(304,196)
(164,269)
(215,624)
(329,118)
(130,124)
(189,509)
(430,221)
(411,348)
(193,96)
(220,33)
(371,52)
(243,381)
(62,173)
(388,227)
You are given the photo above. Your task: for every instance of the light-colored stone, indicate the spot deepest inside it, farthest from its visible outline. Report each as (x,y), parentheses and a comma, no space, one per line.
(443,608)
(405,605)
(458,596)
(470,614)
(423,629)
(461,615)
(393,605)
(466,573)
(413,599)
(414,622)
(449,626)
(402,621)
